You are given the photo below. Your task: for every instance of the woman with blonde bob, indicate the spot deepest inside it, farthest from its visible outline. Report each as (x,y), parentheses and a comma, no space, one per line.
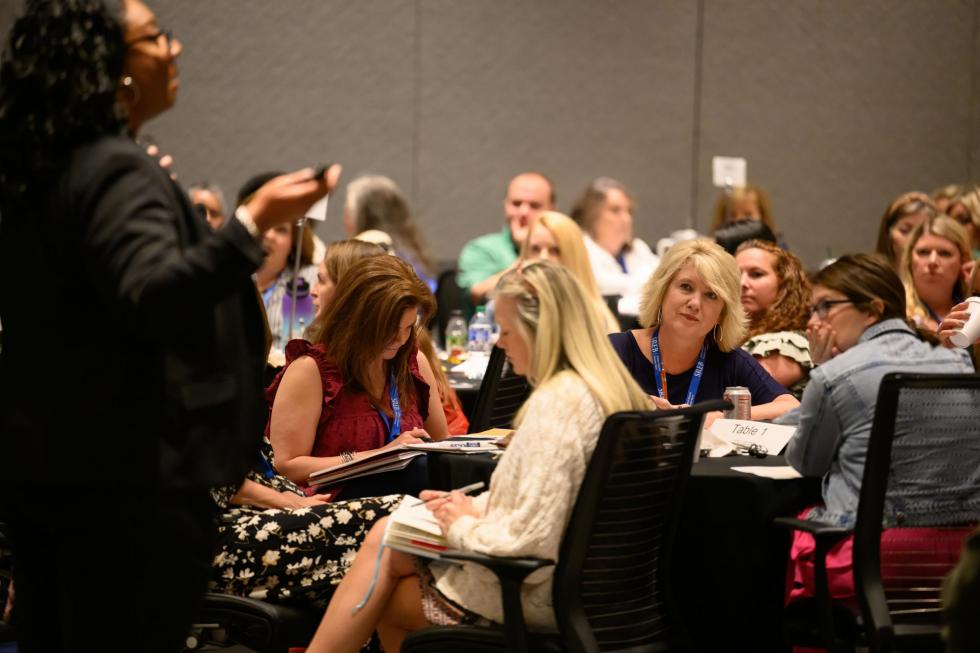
(552,335)
(688,350)
(554,236)
(933,270)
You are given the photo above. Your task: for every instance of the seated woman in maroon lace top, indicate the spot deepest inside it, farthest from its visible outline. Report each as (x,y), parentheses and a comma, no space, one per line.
(356,386)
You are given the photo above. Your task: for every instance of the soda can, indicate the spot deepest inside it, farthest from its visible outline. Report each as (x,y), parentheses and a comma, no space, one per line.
(741,400)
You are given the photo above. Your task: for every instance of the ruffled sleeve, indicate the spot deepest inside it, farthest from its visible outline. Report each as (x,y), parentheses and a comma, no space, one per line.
(330,377)
(792,344)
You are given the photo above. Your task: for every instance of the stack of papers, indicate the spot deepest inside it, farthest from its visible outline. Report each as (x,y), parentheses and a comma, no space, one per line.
(386,460)
(781,473)
(396,458)
(456,445)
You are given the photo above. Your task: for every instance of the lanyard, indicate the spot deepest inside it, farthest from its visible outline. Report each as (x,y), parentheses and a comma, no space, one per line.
(621,259)
(932,313)
(267,470)
(394,425)
(956,300)
(661,377)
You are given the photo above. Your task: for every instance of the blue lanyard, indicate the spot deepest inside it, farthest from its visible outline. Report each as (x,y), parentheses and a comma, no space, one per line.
(658,369)
(267,470)
(621,259)
(956,300)
(394,425)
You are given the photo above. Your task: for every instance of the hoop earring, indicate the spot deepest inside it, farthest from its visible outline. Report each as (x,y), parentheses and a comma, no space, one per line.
(129,84)
(717,332)
(660,315)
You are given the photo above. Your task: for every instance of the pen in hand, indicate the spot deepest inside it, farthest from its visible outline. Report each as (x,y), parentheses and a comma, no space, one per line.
(466,489)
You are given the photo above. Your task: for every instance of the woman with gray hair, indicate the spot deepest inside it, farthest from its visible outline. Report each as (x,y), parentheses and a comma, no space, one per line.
(620,261)
(375,203)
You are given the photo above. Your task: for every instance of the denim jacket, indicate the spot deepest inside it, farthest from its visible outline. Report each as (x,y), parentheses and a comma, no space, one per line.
(835,418)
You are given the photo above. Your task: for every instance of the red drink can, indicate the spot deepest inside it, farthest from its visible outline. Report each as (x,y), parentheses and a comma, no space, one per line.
(741,400)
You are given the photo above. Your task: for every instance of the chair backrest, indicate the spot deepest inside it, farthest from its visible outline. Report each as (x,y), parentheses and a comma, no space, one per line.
(449,296)
(611,582)
(626,322)
(501,395)
(919,419)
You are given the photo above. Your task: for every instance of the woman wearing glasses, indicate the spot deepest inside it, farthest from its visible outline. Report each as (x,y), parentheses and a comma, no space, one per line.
(156,395)
(858,333)
(356,386)
(688,350)
(898,222)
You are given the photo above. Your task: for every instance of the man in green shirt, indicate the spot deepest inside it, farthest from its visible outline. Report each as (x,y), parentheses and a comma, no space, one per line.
(485,259)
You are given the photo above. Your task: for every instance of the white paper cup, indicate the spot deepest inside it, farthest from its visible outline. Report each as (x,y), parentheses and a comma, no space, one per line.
(971,330)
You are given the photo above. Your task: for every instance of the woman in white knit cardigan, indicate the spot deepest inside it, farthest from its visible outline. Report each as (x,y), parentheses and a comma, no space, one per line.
(553,334)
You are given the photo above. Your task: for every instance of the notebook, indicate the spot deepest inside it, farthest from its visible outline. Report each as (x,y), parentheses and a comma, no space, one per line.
(413,528)
(386,460)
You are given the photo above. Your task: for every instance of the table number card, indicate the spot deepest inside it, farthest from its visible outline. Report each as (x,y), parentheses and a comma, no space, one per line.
(729,435)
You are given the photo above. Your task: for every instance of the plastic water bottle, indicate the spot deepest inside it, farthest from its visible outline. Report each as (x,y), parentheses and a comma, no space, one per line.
(457,336)
(480,330)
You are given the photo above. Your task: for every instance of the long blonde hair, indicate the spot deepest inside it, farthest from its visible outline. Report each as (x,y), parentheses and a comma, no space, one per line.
(565,333)
(719,271)
(573,255)
(945,227)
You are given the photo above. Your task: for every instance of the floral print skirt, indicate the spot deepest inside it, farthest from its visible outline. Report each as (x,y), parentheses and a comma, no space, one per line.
(289,555)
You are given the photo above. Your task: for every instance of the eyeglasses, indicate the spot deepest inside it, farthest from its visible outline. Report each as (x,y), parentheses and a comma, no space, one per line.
(753,449)
(822,308)
(168,39)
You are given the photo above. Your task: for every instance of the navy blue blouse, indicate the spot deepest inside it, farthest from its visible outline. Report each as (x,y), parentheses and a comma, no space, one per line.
(721,370)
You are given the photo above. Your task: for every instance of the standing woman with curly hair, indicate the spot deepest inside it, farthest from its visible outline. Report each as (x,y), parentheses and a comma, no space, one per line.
(156,395)
(775,294)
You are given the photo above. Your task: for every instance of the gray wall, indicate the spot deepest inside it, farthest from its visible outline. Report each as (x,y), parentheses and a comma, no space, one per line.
(838,106)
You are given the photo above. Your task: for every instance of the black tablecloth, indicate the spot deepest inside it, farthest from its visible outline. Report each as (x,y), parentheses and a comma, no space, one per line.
(729,560)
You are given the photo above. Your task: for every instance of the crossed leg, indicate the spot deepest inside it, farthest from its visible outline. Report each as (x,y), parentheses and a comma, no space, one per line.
(394,609)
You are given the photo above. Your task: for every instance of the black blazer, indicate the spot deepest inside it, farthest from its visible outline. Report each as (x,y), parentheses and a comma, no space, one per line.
(133,344)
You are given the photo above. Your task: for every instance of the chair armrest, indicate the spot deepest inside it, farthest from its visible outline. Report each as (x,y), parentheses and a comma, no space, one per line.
(511,573)
(493,563)
(825,536)
(817,529)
